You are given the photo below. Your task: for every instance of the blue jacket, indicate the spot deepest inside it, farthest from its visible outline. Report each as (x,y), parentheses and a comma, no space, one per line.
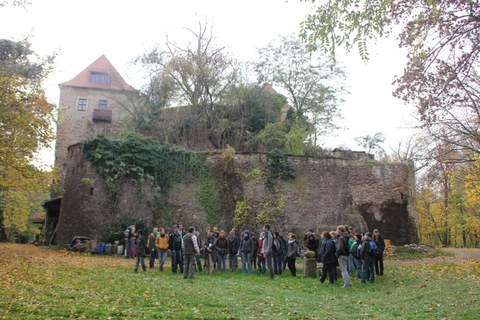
(328,252)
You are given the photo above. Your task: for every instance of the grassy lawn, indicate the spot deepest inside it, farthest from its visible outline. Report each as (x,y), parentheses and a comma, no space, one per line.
(40,283)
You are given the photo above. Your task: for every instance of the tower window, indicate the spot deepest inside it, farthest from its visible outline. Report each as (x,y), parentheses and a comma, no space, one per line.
(82,104)
(102,104)
(99,78)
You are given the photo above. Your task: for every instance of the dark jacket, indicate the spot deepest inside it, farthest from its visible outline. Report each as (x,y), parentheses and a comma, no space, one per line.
(233,244)
(342,245)
(210,243)
(365,253)
(380,242)
(246,245)
(312,243)
(222,245)
(141,245)
(175,242)
(328,252)
(292,249)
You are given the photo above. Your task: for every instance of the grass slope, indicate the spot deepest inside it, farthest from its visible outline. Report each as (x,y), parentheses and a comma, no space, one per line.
(40,283)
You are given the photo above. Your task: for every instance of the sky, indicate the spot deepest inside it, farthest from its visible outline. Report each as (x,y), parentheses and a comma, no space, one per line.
(80,31)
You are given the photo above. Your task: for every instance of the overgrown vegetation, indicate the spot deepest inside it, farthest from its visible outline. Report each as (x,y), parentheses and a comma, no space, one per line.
(209,197)
(57,284)
(142,159)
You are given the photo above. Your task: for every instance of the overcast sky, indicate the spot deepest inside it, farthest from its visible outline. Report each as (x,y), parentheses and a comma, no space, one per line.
(81,31)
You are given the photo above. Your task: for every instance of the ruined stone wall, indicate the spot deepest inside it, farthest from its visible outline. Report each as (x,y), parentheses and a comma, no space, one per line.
(325,192)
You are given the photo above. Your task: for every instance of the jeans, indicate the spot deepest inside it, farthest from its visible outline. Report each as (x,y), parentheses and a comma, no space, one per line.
(261,265)
(278,264)
(140,260)
(246,262)
(354,263)
(152,257)
(222,260)
(177,260)
(233,262)
(131,248)
(343,265)
(162,257)
(368,270)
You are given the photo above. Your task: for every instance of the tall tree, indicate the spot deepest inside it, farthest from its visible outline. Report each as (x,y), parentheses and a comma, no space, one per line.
(313,86)
(372,144)
(441,37)
(25,127)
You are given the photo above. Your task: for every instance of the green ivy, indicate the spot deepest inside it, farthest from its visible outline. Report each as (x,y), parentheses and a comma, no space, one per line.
(278,166)
(142,159)
(208,196)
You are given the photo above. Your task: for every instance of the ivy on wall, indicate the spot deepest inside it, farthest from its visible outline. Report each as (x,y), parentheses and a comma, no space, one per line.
(208,196)
(142,159)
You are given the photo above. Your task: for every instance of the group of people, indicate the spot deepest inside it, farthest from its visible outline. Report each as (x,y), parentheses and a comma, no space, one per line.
(269,251)
(350,252)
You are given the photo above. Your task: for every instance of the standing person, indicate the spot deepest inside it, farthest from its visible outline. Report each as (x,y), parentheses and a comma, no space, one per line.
(161,244)
(342,254)
(140,251)
(255,250)
(327,256)
(209,248)
(175,245)
(312,243)
(292,253)
(233,244)
(130,240)
(197,257)
(222,250)
(277,249)
(216,234)
(190,249)
(151,247)
(368,259)
(181,231)
(261,257)
(354,259)
(267,249)
(245,250)
(380,245)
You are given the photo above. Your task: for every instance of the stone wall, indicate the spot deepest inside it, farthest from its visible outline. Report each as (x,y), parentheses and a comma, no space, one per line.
(325,192)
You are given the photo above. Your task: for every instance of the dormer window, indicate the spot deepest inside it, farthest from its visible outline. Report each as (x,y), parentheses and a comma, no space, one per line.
(99,77)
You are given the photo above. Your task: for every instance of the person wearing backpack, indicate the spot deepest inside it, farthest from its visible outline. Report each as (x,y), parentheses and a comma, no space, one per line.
(342,255)
(354,258)
(328,258)
(367,256)
(380,247)
(130,241)
(292,253)
(246,251)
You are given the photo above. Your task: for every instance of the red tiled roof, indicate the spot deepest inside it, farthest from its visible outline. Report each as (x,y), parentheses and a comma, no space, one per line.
(101,65)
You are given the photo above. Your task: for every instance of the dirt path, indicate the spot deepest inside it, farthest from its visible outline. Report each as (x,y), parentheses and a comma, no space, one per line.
(460,255)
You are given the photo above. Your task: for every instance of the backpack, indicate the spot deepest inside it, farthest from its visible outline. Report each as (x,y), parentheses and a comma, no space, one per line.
(354,248)
(276,246)
(372,248)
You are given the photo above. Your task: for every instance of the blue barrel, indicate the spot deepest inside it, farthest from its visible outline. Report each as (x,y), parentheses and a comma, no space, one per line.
(101,248)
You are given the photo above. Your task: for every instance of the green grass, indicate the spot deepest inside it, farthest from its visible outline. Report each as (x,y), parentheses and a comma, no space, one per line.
(47,284)
(404,253)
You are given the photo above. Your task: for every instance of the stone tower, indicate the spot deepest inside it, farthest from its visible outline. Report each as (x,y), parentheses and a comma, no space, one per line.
(96,101)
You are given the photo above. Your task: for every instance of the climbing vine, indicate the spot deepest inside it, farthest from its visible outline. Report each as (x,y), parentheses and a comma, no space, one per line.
(142,159)
(278,167)
(208,196)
